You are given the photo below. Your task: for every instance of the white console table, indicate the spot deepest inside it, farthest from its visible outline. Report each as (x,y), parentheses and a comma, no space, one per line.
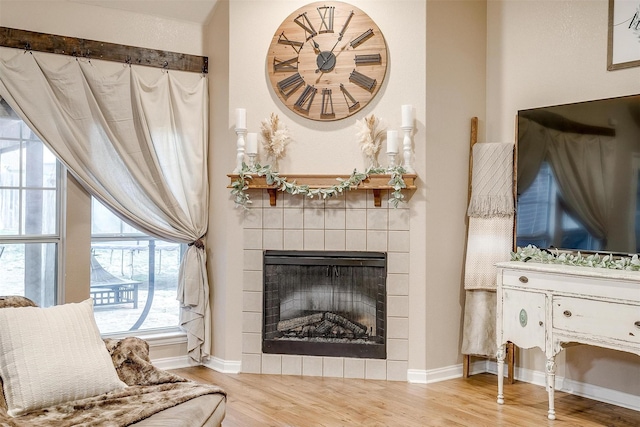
(549,305)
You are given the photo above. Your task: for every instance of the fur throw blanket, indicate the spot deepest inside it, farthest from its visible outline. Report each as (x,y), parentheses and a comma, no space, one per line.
(150,390)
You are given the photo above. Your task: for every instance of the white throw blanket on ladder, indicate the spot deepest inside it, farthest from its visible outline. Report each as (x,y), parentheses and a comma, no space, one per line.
(489,240)
(490,236)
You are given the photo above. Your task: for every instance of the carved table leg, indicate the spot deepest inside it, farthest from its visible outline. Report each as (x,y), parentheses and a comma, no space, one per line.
(500,356)
(551,385)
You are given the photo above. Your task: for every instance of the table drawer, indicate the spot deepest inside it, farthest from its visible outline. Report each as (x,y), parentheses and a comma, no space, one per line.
(622,290)
(597,318)
(523,318)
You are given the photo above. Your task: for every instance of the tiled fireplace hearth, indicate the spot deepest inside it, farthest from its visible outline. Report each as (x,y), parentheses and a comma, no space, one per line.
(349,223)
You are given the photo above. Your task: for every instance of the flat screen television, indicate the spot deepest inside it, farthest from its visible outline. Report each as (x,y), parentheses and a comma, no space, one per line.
(578,177)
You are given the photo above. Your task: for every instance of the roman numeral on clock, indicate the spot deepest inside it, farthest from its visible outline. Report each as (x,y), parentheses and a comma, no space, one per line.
(286,65)
(349,99)
(282,39)
(361,80)
(326,15)
(303,21)
(327,104)
(306,99)
(290,84)
(361,38)
(368,59)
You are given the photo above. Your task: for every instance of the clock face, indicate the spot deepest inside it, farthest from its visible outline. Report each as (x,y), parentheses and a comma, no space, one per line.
(327,61)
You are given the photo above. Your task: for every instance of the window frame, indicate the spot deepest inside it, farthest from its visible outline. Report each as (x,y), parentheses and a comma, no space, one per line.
(58,237)
(159,335)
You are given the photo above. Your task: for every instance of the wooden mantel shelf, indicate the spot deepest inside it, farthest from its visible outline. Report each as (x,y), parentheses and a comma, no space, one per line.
(376,183)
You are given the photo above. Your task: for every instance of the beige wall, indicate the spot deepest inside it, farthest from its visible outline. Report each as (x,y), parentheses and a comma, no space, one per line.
(224,245)
(103,24)
(77,242)
(322,147)
(545,53)
(455,78)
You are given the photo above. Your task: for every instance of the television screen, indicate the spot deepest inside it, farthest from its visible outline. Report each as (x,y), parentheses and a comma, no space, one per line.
(578,176)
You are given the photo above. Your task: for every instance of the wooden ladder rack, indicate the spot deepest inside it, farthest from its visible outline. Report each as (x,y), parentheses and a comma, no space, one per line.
(511,348)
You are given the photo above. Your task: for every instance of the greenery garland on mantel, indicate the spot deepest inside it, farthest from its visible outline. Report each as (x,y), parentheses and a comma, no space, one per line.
(534,254)
(240,186)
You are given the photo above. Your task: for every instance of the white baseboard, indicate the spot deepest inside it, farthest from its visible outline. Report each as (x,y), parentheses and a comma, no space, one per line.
(224,366)
(442,374)
(173,362)
(565,385)
(601,394)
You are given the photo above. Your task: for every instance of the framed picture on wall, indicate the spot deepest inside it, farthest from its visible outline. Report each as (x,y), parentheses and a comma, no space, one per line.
(624,34)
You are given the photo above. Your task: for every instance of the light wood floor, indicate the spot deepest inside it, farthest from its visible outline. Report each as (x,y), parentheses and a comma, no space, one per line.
(282,400)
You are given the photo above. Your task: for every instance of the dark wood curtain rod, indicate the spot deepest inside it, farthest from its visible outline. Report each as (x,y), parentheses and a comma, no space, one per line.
(91,49)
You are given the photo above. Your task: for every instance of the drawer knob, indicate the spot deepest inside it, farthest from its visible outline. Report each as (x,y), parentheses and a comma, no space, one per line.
(523,279)
(567,313)
(637,324)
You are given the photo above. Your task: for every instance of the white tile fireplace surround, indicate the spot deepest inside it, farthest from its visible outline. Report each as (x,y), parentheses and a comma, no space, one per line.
(349,222)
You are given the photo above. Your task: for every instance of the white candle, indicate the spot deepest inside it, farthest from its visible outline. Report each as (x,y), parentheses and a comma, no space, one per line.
(392,141)
(252,143)
(407,115)
(241,118)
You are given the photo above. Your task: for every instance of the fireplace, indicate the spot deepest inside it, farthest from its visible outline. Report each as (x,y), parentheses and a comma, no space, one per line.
(324,303)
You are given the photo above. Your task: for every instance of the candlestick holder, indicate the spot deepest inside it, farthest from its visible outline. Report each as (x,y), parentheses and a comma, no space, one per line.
(241,132)
(392,159)
(252,159)
(406,148)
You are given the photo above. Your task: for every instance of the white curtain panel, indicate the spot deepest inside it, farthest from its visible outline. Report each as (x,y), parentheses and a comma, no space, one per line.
(576,159)
(137,138)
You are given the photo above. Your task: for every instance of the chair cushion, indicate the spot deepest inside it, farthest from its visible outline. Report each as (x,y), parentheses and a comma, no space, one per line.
(52,355)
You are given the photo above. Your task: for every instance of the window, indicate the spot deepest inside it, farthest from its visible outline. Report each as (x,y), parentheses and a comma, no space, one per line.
(134,277)
(30,182)
(535,210)
(545,220)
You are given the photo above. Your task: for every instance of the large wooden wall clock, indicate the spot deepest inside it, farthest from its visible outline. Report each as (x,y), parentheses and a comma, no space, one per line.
(327,61)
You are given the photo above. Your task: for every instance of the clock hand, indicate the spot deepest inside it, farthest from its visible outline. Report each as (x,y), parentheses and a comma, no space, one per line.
(326,56)
(314,43)
(342,49)
(316,46)
(340,35)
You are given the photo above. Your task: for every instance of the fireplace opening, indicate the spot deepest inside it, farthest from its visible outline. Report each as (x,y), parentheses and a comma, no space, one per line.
(325,303)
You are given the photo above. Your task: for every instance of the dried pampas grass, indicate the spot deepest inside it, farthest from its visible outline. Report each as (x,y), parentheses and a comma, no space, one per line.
(370,137)
(275,137)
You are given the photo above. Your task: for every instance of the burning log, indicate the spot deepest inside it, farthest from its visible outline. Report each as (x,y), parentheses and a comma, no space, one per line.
(358,330)
(327,325)
(296,322)
(324,327)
